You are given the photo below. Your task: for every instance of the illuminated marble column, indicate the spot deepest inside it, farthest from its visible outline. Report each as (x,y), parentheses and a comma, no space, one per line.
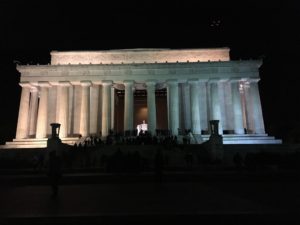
(168,106)
(42,119)
(203,104)
(112,123)
(106,107)
(195,111)
(71,111)
(224,102)
(33,110)
(248,111)
(94,106)
(128,105)
(63,107)
(151,104)
(52,110)
(258,120)
(173,96)
(237,107)
(85,108)
(186,103)
(215,108)
(22,126)
(77,107)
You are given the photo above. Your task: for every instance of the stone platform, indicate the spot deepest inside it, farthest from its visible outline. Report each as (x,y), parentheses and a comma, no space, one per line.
(227,139)
(35,143)
(246,139)
(236,139)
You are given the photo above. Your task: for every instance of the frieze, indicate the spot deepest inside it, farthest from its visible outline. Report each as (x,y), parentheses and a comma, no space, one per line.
(172,71)
(151,72)
(107,72)
(128,72)
(140,72)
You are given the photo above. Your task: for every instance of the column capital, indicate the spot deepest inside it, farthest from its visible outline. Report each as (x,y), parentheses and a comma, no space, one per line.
(106,82)
(118,86)
(150,82)
(25,84)
(85,83)
(44,84)
(96,82)
(33,89)
(235,80)
(253,80)
(172,81)
(203,80)
(214,80)
(193,81)
(224,80)
(64,83)
(128,82)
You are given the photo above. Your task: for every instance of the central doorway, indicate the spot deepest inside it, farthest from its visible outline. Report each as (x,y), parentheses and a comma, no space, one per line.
(140,109)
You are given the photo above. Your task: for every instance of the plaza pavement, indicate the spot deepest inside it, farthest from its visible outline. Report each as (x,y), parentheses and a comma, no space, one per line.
(182,197)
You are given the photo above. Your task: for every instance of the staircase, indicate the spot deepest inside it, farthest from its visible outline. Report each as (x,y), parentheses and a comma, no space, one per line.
(246,139)
(35,142)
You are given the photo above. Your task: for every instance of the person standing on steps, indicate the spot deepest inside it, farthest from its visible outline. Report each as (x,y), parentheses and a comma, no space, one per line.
(54,172)
(54,155)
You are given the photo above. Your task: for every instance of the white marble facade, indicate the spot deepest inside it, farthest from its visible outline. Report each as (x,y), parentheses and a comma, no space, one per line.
(77,91)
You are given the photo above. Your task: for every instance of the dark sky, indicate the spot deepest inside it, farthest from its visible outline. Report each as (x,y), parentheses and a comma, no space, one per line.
(252,29)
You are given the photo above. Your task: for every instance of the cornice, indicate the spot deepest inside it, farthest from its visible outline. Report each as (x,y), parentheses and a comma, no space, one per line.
(138,66)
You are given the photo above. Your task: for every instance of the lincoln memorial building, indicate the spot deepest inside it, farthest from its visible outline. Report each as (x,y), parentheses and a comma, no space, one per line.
(97,92)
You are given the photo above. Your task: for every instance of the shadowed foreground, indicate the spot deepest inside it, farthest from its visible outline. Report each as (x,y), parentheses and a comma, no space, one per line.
(216,198)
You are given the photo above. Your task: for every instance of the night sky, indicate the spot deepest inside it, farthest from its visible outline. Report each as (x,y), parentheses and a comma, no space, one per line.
(252,29)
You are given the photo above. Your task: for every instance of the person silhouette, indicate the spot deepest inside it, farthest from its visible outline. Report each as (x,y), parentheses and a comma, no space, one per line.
(54,172)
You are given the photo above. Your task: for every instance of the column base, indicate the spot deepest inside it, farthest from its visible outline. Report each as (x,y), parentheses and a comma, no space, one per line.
(239,131)
(259,131)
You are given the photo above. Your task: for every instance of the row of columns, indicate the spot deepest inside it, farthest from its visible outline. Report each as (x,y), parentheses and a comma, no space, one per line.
(30,107)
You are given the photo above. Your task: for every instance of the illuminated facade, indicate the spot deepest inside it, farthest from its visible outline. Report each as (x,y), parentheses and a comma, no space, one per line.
(93,92)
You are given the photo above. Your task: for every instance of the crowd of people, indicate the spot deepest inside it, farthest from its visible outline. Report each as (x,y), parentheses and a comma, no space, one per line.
(162,137)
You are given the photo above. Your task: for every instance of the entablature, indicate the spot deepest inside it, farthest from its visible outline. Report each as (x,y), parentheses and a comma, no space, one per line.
(141,72)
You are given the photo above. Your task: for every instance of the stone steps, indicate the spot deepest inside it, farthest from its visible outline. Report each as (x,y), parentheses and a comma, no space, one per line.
(227,139)
(35,143)
(247,139)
